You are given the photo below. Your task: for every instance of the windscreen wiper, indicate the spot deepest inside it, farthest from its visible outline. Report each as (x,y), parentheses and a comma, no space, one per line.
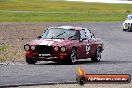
(60,34)
(72,36)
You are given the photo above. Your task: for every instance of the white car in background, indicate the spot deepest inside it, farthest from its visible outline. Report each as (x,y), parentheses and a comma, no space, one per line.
(127,25)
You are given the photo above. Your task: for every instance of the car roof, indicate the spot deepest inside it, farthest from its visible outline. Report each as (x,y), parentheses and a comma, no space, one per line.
(69,27)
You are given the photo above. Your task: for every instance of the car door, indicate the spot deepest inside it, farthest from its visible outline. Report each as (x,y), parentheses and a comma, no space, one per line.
(88,46)
(92,43)
(82,51)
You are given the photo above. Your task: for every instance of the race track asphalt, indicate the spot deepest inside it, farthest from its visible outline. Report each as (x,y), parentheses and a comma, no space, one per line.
(116,59)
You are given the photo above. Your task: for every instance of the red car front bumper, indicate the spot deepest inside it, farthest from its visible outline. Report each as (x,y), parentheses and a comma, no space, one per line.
(59,56)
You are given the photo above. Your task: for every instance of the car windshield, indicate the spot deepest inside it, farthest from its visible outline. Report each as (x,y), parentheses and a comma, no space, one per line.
(60,33)
(129,17)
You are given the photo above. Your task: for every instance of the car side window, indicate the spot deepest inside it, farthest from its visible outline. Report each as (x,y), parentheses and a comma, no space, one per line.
(88,33)
(92,35)
(83,34)
(77,36)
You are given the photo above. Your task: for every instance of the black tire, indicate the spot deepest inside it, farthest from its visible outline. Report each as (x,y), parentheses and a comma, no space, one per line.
(73,56)
(81,80)
(124,29)
(30,60)
(97,56)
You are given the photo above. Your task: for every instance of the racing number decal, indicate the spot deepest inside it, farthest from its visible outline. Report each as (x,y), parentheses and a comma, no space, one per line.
(87,48)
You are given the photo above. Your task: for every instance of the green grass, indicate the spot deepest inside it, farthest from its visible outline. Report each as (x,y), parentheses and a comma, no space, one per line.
(60,11)
(9,53)
(3,50)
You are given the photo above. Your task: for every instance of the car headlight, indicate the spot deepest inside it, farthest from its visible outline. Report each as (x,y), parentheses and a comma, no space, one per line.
(26,47)
(32,47)
(125,24)
(63,49)
(56,48)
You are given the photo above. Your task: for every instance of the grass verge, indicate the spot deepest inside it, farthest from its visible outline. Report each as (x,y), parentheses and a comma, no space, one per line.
(9,53)
(60,11)
(3,52)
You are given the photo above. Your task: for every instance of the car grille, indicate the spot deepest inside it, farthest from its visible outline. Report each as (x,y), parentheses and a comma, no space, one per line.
(129,24)
(43,49)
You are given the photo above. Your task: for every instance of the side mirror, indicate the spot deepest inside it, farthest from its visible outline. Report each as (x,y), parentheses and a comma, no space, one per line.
(39,37)
(82,39)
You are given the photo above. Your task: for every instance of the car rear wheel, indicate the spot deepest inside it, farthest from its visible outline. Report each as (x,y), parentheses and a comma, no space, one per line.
(97,56)
(73,56)
(30,60)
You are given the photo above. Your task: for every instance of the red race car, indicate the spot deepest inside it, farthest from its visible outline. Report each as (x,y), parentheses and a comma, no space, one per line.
(64,43)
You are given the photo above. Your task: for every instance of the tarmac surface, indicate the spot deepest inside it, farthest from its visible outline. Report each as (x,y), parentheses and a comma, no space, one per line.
(116,58)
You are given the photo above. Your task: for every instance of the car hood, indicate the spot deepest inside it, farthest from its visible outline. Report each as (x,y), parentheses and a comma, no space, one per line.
(52,42)
(128,21)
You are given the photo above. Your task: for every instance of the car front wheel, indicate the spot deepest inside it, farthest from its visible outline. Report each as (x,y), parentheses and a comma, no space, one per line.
(124,29)
(30,60)
(97,56)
